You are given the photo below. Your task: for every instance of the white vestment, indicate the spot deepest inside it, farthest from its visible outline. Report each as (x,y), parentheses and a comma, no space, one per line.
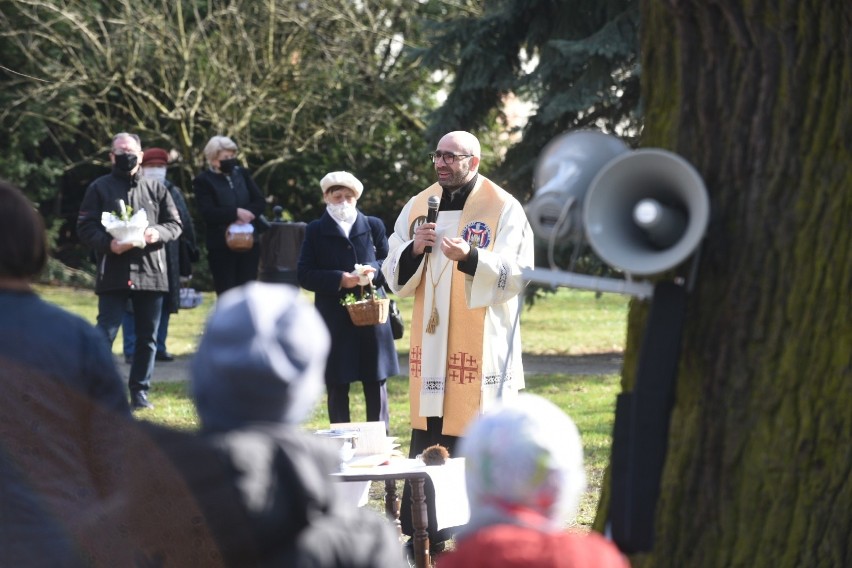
(496,286)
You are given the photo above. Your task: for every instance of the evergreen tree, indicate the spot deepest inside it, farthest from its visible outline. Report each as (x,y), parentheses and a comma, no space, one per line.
(574,61)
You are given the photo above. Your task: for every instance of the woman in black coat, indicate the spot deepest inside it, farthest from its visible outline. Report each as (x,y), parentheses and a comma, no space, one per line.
(226,194)
(333,245)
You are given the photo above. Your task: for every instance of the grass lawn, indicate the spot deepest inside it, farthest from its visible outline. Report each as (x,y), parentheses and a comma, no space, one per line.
(569,322)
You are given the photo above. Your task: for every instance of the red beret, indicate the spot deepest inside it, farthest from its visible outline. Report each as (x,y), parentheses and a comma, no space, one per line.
(155,157)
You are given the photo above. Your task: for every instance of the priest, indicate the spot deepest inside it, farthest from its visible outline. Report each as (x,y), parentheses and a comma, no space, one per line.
(465,273)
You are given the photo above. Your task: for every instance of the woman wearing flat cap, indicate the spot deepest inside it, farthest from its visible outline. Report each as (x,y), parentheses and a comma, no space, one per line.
(333,245)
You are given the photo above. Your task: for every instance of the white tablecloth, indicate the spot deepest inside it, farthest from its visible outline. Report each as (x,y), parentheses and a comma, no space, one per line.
(451,506)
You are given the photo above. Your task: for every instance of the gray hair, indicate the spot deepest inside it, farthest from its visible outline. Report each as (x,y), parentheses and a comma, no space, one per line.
(216,145)
(122,135)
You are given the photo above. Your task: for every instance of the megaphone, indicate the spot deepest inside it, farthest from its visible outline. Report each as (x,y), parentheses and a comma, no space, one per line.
(563,173)
(646,211)
(643,212)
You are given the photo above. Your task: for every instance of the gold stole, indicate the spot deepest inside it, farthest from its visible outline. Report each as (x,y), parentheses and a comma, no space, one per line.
(463,383)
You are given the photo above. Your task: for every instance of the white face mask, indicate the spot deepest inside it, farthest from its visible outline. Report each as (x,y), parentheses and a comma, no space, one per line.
(342,212)
(155,172)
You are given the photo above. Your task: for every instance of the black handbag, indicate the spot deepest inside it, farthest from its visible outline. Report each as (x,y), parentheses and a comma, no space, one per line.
(397,325)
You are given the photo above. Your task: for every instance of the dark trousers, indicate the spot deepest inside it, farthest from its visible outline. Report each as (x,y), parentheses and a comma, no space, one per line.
(146,318)
(420,440)
(375,394)
(231,269)
(128,329)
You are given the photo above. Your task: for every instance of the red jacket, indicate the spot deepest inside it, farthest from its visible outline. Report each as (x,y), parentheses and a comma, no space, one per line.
(509,546)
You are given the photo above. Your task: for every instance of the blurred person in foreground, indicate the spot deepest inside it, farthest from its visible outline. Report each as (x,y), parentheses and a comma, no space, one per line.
(127,271)
(180,254)
(525,478)
(226,194)
(251,488)
(60,399)
(335,245)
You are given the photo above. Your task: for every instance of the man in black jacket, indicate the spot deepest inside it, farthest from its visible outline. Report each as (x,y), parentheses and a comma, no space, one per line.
(130,270)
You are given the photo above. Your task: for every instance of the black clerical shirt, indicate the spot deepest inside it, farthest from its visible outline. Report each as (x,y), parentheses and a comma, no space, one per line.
(450,201)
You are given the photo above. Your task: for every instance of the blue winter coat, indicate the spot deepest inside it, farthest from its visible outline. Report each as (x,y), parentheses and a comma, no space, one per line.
(62,411)
(357,353)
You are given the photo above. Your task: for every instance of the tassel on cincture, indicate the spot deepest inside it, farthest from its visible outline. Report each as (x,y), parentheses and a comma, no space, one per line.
(432,325)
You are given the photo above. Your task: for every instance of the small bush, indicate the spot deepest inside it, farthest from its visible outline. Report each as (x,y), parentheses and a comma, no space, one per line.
(59,274)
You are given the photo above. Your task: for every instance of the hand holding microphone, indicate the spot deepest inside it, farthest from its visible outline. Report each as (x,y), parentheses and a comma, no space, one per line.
(432,216)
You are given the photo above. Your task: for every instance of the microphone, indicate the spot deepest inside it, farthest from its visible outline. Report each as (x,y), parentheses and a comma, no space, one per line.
(432,215)
(276,212)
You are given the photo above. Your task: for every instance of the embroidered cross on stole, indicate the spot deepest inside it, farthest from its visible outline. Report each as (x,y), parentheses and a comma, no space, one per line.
(462,371)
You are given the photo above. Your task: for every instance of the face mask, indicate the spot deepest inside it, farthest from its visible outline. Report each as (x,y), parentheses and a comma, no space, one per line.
(126,162)
(155,172)
(227,166)
(342,212)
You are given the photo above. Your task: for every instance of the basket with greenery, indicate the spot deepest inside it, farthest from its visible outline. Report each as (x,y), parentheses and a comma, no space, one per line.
(370,309)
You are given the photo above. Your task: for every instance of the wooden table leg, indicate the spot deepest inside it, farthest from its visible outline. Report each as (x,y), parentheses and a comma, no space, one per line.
(392,505)
(420,521)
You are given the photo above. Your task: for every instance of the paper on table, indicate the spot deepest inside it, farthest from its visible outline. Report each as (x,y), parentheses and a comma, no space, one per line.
(372,438)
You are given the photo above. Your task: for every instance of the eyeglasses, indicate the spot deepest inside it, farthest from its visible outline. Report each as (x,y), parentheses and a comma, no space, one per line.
(448,157)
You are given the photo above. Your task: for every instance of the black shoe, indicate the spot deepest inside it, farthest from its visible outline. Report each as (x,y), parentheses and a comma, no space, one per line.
(438,548)
(434,549)
(139,401)
(164,356)
(128,359)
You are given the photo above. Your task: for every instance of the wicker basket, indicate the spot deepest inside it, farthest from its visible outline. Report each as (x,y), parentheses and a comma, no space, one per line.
(370,311)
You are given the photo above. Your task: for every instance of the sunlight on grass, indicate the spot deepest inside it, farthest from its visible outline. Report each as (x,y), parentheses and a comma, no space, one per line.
(565,323)
(568,322)
(172,406)
(185,327)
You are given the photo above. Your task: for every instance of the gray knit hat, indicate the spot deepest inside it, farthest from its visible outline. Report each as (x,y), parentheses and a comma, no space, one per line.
(262,358)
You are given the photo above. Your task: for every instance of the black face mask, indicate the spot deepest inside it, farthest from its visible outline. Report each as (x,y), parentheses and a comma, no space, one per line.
(126,162)
(227,166)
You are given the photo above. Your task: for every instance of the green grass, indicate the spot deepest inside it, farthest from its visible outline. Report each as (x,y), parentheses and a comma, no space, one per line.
(566,323)
(569,322)
(184,327)
(575,322)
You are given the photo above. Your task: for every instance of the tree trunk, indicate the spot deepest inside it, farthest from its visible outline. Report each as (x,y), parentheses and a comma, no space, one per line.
(757,96)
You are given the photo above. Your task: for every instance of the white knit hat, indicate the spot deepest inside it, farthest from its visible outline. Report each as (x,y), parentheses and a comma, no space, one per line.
(344,179)
(526,453)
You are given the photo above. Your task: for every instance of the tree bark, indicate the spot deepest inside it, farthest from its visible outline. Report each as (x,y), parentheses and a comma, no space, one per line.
(758,97)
